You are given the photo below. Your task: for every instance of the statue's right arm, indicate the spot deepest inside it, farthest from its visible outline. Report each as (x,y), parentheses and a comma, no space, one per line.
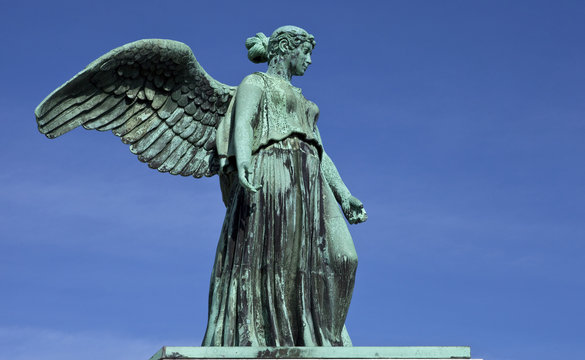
(248,98)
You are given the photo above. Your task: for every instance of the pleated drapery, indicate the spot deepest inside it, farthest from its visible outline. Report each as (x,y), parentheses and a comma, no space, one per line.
(278,278)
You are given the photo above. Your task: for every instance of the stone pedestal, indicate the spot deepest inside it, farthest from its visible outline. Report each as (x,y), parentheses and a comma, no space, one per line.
(306,353)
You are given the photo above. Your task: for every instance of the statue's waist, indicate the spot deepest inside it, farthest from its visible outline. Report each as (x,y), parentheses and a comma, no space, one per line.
(267,135)
(294,142)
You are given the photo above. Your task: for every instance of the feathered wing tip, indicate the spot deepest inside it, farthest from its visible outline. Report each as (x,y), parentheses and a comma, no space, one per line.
(155,96)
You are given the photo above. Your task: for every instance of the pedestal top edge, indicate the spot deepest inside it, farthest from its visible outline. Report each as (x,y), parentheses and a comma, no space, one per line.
(306,353)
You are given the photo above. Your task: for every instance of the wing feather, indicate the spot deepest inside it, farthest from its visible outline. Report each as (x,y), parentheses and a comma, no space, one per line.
(185,159)
(149,136)
(176,116)
(198,134)
(135,86)
(142,129)
(109,104)
(161,157)
(203,138)
(158,145)
(127,114)
(183,124)
(173,159)
(69,119)
(190,167)
(210,143)
(155,96)
(106,120)
(131,123)
(66,104)
(168,109)
(191,127)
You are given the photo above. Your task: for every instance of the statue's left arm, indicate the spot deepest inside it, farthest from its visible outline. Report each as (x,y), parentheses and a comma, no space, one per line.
(352,207)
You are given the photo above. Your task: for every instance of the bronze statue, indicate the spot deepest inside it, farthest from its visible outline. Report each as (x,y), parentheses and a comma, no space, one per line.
(285,263)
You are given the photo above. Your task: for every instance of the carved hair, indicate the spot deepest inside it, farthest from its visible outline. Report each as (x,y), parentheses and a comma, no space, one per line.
(257,48)
(262,49)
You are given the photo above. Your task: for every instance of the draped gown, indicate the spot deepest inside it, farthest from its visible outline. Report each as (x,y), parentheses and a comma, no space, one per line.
(285,264)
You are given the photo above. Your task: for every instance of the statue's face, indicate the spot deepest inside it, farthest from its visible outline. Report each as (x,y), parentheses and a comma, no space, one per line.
(300,59)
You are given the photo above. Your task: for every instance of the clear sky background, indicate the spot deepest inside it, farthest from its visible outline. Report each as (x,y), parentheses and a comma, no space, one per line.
(459,124)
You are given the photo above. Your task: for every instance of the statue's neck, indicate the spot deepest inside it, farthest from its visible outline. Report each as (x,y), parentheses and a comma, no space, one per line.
(279,68)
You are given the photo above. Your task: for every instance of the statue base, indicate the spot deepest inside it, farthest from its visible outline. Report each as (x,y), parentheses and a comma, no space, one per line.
(357,352)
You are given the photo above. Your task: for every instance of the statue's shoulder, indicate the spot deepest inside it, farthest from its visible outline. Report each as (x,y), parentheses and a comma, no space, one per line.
(256,79)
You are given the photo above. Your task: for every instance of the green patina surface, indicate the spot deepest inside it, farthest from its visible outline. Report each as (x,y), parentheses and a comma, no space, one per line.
(357,352)
(285,264)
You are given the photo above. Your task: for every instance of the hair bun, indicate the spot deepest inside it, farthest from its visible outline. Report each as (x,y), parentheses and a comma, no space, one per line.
(257,48)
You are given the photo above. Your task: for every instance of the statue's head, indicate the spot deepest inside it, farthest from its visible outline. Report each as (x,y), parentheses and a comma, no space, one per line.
(287,43)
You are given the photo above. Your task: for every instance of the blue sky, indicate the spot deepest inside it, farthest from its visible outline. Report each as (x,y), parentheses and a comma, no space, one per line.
(459,124)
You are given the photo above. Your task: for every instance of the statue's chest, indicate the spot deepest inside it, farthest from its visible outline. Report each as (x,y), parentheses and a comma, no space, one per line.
(285,104)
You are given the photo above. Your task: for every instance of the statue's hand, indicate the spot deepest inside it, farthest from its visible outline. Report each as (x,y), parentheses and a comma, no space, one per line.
(244,173)
(354,211)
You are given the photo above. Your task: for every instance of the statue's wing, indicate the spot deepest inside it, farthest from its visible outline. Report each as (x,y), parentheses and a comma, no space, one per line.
(155,96)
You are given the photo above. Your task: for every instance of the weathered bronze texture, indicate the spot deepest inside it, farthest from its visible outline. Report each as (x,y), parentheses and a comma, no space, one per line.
(285,263)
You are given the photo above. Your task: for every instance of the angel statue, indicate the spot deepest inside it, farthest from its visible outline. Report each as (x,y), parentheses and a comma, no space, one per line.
(285,264)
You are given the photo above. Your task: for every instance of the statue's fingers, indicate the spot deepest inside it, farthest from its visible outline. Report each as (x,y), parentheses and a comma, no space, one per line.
(363,216)
(256,187)
(352,219)
(244,182)
(356,202)
(348,214)
(252,188)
